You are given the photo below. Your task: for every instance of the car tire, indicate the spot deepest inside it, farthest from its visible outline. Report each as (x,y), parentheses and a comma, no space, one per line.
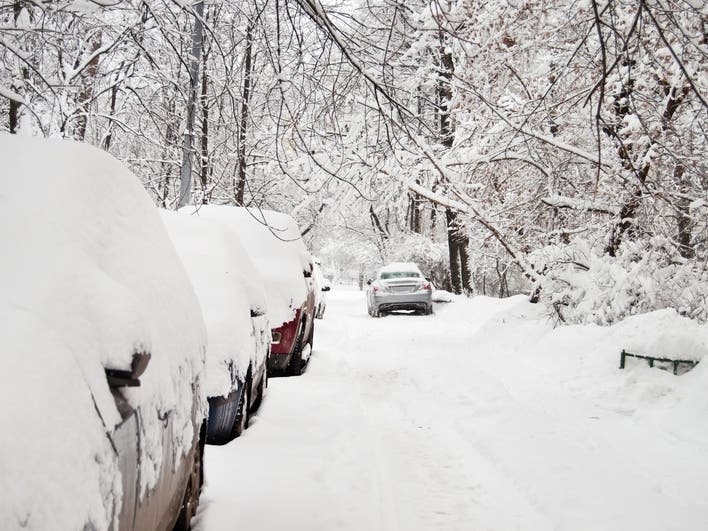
(429,310)
(296,366)
(311,339)
(260,393)
(243,415)
(190,500)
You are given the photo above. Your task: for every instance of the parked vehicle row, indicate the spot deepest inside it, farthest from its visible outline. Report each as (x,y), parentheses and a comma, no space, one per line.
(131,337)
(322,286)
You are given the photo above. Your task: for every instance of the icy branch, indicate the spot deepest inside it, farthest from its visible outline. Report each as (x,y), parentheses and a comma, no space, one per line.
(558,201)
(11,95)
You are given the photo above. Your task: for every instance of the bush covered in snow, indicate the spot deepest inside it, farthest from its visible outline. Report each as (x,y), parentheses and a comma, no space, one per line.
(430,256)
(581,285)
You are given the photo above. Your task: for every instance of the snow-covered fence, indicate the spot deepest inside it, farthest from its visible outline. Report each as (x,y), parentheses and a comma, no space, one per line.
(652,359)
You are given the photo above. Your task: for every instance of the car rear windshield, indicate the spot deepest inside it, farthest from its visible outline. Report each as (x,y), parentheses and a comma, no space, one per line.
(399,274)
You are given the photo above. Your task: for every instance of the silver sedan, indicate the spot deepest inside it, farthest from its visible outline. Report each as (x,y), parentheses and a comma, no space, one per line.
(399,286)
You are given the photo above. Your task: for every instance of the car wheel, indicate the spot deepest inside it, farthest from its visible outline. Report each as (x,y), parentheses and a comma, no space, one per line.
(429,310)
(296,363)
(190,501)
(311,339)
(243,414)
(260,393)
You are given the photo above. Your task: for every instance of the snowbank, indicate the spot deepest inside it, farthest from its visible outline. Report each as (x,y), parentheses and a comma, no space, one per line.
(441,295)
(593,446)
(228,288)
(663,333)
(88,278)
(275,245)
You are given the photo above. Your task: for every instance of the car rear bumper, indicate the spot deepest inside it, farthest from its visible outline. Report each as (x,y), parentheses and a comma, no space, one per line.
(418,300)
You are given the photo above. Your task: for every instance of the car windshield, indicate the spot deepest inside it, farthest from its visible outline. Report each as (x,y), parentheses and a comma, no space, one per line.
(386,275)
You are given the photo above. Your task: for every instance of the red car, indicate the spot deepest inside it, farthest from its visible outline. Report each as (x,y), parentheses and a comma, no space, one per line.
(274,244)
(291,344)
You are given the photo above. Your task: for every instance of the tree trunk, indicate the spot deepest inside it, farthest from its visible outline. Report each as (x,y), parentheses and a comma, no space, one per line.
(453,251)
(204,159)
(626,224)
(376,222)
(247,62)
(459,260)
(88,77)
(463,249)
(18,84)
(185,184)
(684,222)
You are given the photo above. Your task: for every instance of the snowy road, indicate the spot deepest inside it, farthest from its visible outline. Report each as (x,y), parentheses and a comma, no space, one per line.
(416,423)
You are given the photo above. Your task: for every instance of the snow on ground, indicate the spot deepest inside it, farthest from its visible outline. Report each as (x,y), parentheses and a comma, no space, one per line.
(481,417)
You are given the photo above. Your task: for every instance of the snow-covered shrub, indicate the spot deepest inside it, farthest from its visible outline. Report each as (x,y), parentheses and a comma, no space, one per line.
(495,275)
(581,285)
(430,256)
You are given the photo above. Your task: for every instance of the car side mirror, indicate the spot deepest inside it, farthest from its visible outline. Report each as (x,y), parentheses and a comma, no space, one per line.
(129,378)
(307,274)
(326,288)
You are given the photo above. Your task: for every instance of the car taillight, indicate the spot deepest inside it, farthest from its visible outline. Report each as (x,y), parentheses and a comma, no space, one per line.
(375,288)
(426,286)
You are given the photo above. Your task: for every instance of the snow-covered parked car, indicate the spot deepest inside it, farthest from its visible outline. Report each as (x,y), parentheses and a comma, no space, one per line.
(103,343)
(321,286)
(275,245)
(399,286)
(232,297)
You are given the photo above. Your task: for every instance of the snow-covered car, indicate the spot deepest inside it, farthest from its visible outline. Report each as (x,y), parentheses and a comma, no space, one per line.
(103,342)
(321,286)
(275,245)
(232,297)
(399,286)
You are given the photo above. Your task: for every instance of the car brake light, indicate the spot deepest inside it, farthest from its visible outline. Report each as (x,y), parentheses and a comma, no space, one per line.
(426,286)
(375,288)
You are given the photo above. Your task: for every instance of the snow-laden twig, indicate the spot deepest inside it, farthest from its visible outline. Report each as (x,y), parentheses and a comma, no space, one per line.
(558,201)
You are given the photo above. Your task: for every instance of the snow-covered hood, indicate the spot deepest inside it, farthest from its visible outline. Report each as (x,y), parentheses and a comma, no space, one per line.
(229,288)
(274,243)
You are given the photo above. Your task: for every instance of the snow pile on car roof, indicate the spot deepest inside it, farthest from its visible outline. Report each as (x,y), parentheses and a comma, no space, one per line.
(228,288)
(275,244)
(88,278)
